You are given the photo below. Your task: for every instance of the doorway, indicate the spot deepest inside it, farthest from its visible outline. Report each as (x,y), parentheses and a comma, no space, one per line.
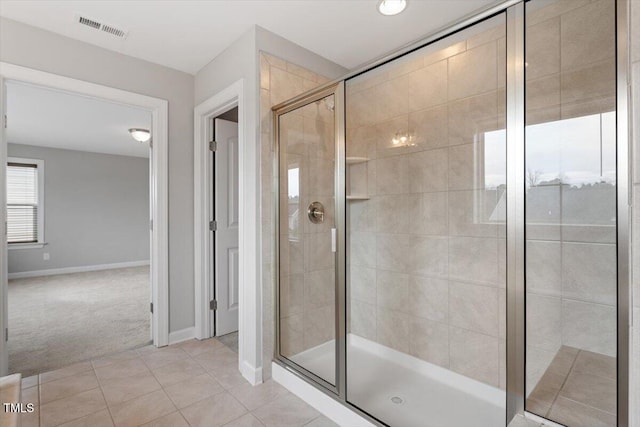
(155,215)
(224,221)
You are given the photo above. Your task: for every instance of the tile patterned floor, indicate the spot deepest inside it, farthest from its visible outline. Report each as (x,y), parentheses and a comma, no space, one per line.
(577,389)
(195,383)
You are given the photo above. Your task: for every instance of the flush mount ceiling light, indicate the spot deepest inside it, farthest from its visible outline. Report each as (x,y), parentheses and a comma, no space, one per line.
(140,135)
(391,7)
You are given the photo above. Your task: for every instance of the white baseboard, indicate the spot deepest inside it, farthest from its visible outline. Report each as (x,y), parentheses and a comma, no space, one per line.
(251,374)
(329,407)
(80,269)
(182,335)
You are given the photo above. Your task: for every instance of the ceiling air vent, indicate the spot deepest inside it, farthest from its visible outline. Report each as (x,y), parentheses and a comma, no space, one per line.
(96,25)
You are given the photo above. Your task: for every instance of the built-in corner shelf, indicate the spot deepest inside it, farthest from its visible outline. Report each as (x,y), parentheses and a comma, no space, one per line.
(357,177)
(354,160)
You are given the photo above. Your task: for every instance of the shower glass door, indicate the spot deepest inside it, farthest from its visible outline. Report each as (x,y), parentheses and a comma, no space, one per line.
(307,242)
(426,219)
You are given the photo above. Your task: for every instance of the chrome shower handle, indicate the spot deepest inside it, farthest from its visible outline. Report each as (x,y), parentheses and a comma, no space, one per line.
(315,212)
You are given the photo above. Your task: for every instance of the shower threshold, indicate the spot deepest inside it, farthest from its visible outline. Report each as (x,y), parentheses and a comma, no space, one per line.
(402,390)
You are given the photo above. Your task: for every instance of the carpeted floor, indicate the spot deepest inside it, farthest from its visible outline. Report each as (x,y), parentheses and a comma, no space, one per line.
(58,320)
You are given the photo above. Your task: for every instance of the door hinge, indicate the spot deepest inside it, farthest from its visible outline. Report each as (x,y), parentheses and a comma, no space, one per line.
(151,307)
(213,304)
(213,145)
(213,225)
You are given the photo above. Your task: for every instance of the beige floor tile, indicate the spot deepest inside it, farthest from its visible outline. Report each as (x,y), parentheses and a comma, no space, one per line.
(99,419)
(123,369)
(174,419)
(71,408)
(572,413)
(591,390)
(163,356)
(252,397)
(596,364)
(67,371)
(114,358)
(217,360)
(118,390)
(178,371)
(29,381)
(286,411)
(64,387)
(213,411)
(321,421)
(230,378)
(195,347)
(142,409)
(192,390)
(247,420)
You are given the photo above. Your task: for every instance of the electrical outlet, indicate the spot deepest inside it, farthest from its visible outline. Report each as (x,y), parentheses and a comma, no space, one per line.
(45,256)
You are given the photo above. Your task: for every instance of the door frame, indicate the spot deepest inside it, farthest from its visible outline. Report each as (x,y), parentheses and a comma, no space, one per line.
(249,294)
(159,198)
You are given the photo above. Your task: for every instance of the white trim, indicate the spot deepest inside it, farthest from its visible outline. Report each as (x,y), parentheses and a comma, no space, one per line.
(159,109)
(331,408)
(249,307)
(40,189)
(79,269)
(15,246)
(185,334)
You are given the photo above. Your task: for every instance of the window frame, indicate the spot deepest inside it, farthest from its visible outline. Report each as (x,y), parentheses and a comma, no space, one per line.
(39,163)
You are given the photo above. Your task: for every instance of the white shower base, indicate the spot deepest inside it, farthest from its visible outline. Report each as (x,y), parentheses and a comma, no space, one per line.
(431,396)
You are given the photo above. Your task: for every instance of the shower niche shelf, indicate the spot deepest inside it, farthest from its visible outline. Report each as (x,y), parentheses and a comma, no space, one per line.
(357,177)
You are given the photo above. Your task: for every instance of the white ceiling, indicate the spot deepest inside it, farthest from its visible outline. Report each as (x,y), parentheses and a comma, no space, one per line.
(186,35)
(50,118)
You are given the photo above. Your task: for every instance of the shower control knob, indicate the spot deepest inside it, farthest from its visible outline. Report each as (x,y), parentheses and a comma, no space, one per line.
(316,213)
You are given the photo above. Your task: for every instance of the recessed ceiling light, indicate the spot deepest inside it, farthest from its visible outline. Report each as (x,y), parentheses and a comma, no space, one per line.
(140,135)
(391,7)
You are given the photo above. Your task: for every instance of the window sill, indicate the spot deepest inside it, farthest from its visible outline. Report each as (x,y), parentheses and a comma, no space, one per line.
(25,245)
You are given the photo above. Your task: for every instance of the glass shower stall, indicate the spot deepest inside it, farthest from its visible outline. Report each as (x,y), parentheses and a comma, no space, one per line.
(451,225)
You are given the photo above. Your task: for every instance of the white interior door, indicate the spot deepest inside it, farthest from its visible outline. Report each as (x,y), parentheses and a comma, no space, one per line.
(226,231)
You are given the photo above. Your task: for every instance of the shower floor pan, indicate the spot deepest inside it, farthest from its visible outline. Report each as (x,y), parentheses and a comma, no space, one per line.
(402,390)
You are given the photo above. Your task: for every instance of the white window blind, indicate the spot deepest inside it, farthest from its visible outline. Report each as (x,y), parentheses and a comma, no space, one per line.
(22,203)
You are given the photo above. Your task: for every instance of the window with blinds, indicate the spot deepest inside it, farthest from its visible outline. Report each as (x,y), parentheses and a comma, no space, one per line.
(22,202)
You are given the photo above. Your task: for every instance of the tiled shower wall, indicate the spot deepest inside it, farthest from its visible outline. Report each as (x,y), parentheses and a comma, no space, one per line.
(279,80)
(571,240)
(635,124)
(427,248)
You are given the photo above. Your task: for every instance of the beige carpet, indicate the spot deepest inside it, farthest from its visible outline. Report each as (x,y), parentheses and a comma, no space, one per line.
(58,320)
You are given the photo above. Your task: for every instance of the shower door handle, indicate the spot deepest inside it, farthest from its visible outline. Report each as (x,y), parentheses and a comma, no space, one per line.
(334,240)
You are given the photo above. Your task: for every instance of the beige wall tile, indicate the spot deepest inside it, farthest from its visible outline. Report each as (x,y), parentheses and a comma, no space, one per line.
(592,82)
(392,175)
(475,355)
(292,335)
(543,93)
(588,35)
(429,298)
(589,326)
(392,290)
(428,86)
(474,259)
(428,256)
(589,272)
(362,284)
(474,308)
(391,252)
(392,98)
(284,85)
(470,212)
(392,212)
(473,72)
(427,127)
(363,319)
(393,329)
(427,171)
(544,322)
(319,288)
(319,325)
(544,267)
(429,341)
(362,249)
(429,213)
(543,49)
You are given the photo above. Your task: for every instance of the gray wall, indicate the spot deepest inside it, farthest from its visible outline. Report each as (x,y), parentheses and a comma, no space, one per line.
(96,209)
(31,47)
